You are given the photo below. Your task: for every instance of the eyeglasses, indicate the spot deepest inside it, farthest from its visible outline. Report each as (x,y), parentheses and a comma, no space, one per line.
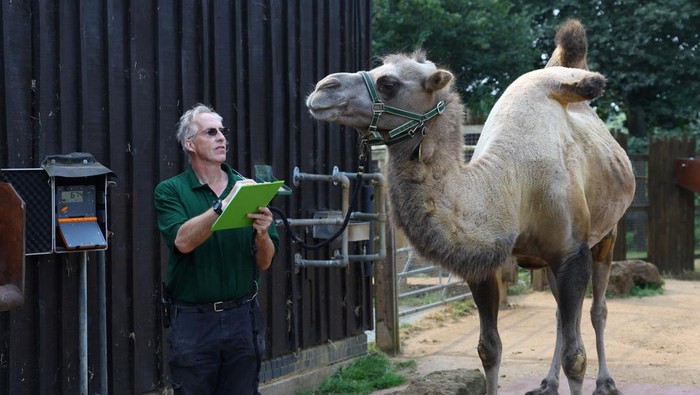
(212,132)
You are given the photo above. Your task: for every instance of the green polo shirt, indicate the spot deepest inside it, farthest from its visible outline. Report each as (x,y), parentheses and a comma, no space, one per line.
(219,269)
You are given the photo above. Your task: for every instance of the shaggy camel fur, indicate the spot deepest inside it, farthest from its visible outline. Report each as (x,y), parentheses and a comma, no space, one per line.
(547,184)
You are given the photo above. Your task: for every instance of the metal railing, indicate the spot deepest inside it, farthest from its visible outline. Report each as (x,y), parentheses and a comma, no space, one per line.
(422,285)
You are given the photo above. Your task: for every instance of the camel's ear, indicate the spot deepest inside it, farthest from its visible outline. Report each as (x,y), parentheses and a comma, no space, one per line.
(438,80)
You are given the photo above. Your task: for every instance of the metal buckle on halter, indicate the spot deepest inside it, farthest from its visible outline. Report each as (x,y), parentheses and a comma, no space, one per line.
(377,107)
(440,107)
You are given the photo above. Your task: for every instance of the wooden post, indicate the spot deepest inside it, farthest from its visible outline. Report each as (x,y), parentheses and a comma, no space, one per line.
(620,246)
(538,279)
(671,207)
(386,300)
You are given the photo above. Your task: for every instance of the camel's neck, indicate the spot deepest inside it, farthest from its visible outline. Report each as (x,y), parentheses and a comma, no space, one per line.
(448,210)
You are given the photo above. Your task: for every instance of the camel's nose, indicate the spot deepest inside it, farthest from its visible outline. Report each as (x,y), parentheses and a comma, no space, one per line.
(330,82)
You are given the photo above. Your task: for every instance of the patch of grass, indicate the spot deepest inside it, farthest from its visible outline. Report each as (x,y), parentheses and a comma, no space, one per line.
(462,308)
(647,290)
(366,374)
(522,283)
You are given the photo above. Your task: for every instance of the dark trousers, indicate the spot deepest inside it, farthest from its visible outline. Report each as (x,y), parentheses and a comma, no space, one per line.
(213,352)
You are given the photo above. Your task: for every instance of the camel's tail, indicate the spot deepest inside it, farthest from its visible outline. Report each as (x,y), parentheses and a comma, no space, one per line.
(572,46)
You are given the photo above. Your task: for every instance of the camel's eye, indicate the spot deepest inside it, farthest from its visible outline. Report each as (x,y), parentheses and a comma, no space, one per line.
(388,86)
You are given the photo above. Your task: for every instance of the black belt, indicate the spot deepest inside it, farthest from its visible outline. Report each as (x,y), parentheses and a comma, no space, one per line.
(216,306)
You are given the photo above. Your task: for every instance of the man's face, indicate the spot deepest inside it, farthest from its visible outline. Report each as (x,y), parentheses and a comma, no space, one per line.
(209,143)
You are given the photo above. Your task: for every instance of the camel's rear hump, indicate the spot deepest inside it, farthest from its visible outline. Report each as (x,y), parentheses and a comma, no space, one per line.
(588,87)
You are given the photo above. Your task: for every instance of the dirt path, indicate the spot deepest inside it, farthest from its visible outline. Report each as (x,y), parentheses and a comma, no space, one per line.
(653,343)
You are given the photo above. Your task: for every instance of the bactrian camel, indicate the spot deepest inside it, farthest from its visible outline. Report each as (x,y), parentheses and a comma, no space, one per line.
(547,184)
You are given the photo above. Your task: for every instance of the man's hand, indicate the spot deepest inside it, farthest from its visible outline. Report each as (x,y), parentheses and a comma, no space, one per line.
(235,188)
(261,220)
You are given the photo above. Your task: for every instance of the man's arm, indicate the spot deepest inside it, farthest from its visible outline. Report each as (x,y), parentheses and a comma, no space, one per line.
(195,231)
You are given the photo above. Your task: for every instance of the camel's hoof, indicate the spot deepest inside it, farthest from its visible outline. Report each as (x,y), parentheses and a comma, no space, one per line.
(545,388)
(606,387)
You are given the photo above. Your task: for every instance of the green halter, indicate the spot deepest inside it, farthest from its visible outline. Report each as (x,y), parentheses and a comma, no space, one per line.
(400,133)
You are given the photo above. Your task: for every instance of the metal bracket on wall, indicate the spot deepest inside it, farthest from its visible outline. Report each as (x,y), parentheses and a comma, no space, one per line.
(321,223)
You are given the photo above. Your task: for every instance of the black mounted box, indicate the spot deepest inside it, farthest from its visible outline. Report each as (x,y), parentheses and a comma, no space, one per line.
(66,203)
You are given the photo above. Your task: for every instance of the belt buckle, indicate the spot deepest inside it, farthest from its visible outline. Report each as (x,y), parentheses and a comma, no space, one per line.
(218,307)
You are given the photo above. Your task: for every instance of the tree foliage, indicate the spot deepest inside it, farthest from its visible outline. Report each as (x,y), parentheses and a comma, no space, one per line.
(483,42)
(648,50)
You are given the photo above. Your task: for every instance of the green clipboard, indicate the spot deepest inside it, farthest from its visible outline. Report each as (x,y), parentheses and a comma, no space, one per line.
(246,200)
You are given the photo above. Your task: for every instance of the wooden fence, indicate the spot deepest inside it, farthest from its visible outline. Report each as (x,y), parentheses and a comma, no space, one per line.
(111,78)
(671,207)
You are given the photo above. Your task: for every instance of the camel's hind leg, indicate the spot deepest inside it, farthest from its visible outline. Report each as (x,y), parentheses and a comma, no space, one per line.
(550,384)
(486,297)
(572,279)
(602,260)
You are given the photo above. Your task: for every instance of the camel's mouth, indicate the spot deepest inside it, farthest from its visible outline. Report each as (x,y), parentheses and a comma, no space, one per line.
(324,114)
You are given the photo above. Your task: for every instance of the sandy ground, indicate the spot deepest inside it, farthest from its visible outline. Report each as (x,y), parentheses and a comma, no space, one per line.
(652,343)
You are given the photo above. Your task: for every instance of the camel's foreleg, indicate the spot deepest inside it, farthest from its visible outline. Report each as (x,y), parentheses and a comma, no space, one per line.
(602,256)
(572,279)
(486,297)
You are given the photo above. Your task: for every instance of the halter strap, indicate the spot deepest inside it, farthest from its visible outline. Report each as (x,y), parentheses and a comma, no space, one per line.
(400,133)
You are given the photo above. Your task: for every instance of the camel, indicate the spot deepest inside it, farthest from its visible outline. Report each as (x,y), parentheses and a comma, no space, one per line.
(546,185)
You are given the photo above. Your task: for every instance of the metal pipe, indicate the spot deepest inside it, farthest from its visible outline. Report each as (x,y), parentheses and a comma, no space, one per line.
(345,208)
(366,258)
(417,271)
(299,177)
(102,302)
(337,261)
(381,221)
(309,221)
(430,289)
(358,216)
(82,324)
(435,304)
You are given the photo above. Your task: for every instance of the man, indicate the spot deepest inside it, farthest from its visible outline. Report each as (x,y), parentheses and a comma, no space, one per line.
(216,334)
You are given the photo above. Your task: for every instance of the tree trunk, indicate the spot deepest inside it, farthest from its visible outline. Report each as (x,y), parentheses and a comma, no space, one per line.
(636,125)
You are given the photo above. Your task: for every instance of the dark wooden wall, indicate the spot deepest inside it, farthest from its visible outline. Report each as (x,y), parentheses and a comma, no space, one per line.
(671,207)
(111,78)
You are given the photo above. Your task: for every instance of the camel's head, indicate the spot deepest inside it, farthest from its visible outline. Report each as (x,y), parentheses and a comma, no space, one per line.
(410,83)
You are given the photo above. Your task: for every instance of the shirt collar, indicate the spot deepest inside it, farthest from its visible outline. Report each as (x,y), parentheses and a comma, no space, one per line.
(194,183)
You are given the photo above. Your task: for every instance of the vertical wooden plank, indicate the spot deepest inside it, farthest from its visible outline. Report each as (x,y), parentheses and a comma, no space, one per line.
(191,53)
(277,299)
(170,154)
(17,79)
(295,77)
(386,309)
(48,319)
(69,80)
(47,315)
(69,330)
(120,200)
(671,210)
(92,79)
(4,131)
(93,113)
(145,271)
(223,62)
(259,80)
(46,62)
